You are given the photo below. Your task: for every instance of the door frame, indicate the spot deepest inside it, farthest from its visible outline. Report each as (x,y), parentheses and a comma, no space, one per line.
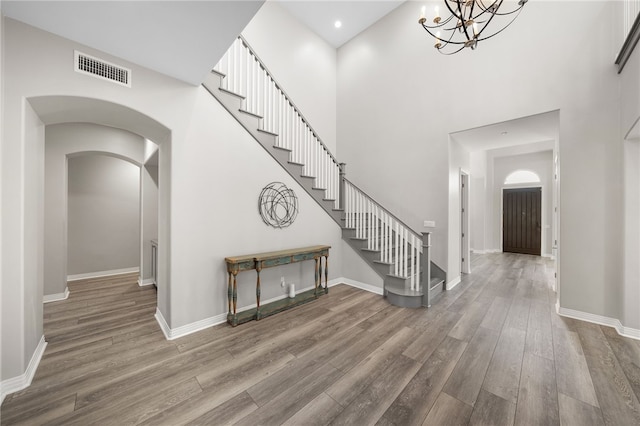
(465,232)
(543,219)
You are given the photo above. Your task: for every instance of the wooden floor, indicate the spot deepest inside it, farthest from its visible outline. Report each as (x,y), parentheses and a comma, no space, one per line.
(491,351)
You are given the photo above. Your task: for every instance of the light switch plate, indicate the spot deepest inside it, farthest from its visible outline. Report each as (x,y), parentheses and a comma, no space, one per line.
(429,223)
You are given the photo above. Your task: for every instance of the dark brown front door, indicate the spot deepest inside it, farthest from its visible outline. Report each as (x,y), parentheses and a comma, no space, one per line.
(521,217)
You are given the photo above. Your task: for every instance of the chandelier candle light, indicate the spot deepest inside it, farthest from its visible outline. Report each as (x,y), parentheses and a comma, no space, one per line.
(467,22)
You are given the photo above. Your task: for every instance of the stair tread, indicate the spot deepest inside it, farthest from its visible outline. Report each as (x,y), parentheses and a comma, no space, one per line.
(281,148)
(253,114)
(221,74)
(394,285)
(402,291)
(222,89)
(267,132)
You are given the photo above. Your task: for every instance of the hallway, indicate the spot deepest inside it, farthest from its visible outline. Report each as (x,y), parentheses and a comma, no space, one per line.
(491,351)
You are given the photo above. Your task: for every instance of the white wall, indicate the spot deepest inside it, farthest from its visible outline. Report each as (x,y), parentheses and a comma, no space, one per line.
(33,216)
(478,203)
(398,100)
(215,215)
(63,141)
(540,163)
(629,128)
(208,187)
(303,63)
(459,160)
(3,300)
(103,214)
(149,218)
(486,194)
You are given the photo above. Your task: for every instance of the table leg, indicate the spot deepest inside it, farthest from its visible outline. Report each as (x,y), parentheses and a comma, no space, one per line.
(326,274)
(235,299)
(229,293)
(258,316)
(318,269)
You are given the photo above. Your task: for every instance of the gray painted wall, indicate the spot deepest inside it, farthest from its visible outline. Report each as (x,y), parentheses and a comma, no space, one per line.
(459,159)
(302,62)
(630,129)
(103,214)
(542,164)
(149,218)
(489,170)
(398,100)
(63,141)
(208,187)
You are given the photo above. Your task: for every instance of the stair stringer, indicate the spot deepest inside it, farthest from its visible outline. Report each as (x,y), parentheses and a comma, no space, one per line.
(395,288)
(251,122)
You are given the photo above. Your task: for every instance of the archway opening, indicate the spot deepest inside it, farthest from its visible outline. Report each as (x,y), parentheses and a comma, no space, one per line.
(522,176)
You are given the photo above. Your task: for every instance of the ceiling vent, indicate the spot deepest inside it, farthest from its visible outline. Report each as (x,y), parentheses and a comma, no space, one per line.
(104,70)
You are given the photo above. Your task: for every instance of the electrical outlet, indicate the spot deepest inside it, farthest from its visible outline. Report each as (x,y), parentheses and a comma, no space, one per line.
(282,284)
(429,223)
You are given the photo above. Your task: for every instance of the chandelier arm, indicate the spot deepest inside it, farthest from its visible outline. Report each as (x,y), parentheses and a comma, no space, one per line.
(440,27)
(436,37)
(493,15)
(484,8)
(501,30)
(446,2)
(510,12)
(450,53)
(462,19)
(497,13)
(442,24)
(469,19)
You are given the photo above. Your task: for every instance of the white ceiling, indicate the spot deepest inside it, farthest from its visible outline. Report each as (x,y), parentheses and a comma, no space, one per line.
(182,39)
(355,16)
(521,131)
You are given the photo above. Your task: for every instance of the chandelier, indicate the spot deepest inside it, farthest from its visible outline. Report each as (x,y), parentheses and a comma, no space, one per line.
(467,22)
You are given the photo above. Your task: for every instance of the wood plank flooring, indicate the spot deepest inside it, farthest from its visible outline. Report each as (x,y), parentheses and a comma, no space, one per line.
(491,351)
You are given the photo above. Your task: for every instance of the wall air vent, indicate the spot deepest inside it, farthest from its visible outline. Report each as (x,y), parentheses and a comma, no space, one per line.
(99,68)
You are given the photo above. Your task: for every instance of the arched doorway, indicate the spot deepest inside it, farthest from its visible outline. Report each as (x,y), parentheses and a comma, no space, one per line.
(55,110)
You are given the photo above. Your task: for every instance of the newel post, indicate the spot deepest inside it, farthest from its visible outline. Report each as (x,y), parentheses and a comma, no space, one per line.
(426,268)
(343,171)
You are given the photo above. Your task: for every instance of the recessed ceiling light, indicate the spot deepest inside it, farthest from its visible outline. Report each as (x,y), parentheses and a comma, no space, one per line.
(337,24)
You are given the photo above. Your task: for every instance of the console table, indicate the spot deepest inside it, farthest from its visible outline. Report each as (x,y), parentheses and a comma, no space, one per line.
(260,261)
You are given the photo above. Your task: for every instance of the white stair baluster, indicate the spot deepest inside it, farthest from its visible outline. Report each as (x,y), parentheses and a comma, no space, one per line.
(418,272)
(413,262)
(405,251)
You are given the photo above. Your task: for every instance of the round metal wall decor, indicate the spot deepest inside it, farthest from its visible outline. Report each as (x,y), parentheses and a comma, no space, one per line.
(278,205)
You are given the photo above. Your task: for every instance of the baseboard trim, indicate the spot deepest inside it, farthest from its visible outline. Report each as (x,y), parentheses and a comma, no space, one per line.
(145,282)
(362,286)
(629,332)
(47,298)
(100,274)
(23,381)
(454,282)
(184,330)
(175,333)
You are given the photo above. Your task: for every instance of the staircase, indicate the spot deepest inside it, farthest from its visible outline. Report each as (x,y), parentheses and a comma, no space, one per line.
(244,86)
